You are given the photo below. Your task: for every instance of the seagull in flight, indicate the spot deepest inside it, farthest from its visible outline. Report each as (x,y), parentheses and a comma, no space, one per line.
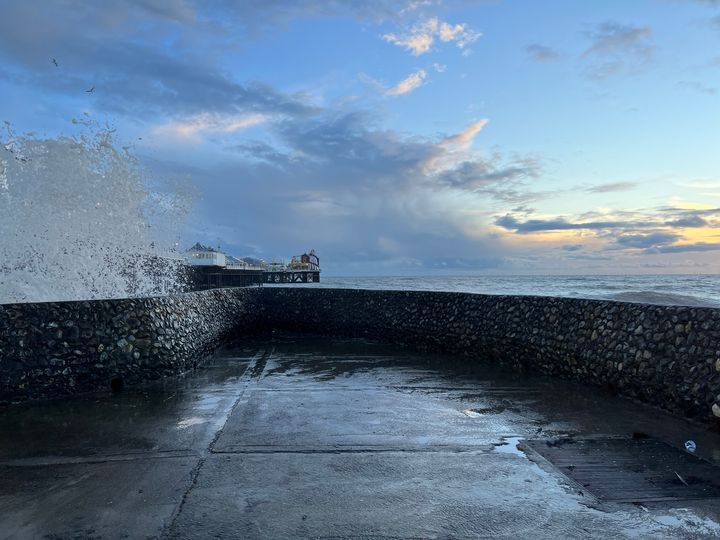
(55,62)
(91,90)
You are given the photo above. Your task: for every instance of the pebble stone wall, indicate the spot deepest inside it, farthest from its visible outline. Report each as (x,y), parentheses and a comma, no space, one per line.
(664,355)
(57,348)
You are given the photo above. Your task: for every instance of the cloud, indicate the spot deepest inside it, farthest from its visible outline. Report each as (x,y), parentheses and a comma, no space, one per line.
(440,68)
(464,138)
(419,39)
(490,176)
(645,241)
(612,187)
(133,77)
(684,248)
(617,48)
(699,87)
(408,84)
(559,224)
(572,247)
(688,221)
(541,53)
(363,193)
(192,127)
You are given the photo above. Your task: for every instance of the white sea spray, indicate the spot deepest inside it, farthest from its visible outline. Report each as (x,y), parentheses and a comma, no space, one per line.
(78,221)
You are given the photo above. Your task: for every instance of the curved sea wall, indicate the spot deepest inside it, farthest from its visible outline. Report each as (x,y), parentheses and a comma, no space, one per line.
(668,356)
(55,348)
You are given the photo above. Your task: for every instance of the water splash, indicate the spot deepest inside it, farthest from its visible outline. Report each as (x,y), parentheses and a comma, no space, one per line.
(77,220)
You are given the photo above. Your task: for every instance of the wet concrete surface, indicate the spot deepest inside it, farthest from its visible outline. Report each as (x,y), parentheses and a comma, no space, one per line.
(293,436)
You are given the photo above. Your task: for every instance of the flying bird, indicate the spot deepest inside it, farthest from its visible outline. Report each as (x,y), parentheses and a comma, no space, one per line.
(55,62)
(91,90)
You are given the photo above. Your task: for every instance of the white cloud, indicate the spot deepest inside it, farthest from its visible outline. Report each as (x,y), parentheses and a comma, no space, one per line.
(440,68)
(450,32)
(408,84)
(193,127)
(420,38)
(464,139)
(453,149)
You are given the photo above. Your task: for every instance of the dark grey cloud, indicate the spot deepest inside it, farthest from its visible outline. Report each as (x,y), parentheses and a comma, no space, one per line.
(689,220)
(363,195)
(684,212)
(134,75)
(572,247)
(541,53)
(684,248)
(541,225)
(612,187)
(501,179)
(617,48)
(649,240)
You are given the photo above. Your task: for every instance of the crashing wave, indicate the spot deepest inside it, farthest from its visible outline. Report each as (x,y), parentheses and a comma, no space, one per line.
(76,221)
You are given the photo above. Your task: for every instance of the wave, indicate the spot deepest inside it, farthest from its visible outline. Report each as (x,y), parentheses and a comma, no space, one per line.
(665,299)
(79,222)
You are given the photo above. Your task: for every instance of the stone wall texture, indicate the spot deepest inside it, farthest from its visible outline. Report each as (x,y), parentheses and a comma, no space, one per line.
(57,348)
(668,356)
(665,355)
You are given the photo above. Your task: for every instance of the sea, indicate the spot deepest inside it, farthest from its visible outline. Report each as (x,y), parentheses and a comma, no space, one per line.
(685,290)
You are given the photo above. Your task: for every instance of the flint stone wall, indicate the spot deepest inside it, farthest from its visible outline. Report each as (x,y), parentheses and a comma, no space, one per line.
(56,348)
(665,355)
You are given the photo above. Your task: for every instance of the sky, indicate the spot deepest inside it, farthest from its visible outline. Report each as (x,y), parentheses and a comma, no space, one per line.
(402,137)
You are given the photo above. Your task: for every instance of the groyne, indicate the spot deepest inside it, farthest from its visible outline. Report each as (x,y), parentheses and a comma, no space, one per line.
(668,356)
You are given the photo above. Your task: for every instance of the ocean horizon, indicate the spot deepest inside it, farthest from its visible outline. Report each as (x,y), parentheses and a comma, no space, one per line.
(698,290)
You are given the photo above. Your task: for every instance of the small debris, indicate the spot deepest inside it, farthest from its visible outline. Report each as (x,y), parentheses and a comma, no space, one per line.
(571,467)
(690,446)
(640,435)
(681,479)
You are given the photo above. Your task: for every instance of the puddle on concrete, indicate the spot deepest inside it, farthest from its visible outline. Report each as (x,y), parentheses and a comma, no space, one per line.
(678,519)
(192,421)
(481,411)
(509,445)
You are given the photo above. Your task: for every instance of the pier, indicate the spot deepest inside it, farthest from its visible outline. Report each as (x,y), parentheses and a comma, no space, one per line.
(291,276)
(213,277)
(210,268)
